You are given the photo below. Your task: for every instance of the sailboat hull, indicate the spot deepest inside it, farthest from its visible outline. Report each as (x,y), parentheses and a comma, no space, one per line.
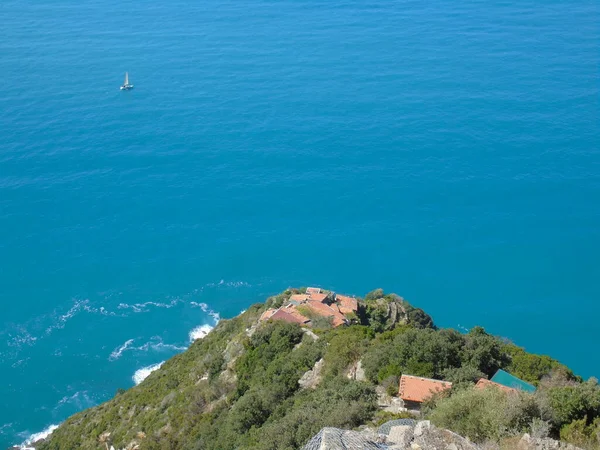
(126,85)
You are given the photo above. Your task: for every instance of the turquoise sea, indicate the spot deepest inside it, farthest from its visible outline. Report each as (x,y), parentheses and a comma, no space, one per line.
(447,151)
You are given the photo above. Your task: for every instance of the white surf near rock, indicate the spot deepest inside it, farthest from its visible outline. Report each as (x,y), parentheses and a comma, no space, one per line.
(200,332)
(141,374)
(37,437)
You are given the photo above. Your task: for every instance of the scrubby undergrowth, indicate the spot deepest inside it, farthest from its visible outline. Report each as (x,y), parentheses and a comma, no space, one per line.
(238,387)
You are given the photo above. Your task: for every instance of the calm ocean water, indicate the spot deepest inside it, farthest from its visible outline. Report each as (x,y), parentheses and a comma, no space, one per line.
(446,151)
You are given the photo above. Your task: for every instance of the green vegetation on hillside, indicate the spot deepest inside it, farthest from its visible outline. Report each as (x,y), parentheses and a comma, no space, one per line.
(238,387)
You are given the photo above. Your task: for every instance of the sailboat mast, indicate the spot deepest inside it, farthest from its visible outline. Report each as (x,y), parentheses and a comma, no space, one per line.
(126,78)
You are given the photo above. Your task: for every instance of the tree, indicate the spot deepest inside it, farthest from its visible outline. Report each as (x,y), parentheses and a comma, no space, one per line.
(464,374)
(420,319)
(573,402)
(483,352)
(530,367)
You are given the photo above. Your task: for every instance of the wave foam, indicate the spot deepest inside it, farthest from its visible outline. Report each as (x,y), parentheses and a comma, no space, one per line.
(143,307)
(156,344)
(24,338)
(204,307)
(141,374)
(80,400)
(37,437)
(116,353)
(200,332)
(234,284)
(78,306)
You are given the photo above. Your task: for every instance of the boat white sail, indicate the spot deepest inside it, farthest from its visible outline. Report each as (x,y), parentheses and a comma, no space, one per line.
(126,85)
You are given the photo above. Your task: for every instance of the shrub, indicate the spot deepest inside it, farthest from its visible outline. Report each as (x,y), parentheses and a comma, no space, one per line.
(464,374)
(374,295)
(486,414)
(391,385)
(532,368)
(581,434)
(573,402)
(346,346)
(382,417)
(259,405)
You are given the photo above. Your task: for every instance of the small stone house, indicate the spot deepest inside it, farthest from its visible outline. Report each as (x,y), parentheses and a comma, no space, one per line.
(415,390)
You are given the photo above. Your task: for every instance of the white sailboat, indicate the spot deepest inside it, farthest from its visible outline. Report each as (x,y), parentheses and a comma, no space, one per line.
(126,86)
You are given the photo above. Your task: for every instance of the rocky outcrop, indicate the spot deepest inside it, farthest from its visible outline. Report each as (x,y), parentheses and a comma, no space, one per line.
(407,434)
(530,443)
(394,435)
(427,436)
(388,403)
(392,310)
(356,372)
(336,439)
(312,378)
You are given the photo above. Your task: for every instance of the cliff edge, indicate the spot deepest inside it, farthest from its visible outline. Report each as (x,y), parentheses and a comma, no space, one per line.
(264,380)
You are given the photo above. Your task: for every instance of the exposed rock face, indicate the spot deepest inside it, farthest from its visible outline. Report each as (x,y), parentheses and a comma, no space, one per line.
(427,436)
(336,439)
(397,311)
(397,434)
(405,434)
(356,372)
(310,334)
(232,352)
(312,378)
(387,402)
(530,443)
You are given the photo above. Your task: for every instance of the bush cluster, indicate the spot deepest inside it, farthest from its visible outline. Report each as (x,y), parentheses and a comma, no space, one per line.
(238,387)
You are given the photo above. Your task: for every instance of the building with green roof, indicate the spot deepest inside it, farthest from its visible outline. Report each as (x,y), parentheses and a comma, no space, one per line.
(508,380)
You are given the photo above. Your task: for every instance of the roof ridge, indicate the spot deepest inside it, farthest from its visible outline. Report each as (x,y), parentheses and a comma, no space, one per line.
(424,378)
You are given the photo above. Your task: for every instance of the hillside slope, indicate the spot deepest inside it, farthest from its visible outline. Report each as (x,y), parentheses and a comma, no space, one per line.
(239,386)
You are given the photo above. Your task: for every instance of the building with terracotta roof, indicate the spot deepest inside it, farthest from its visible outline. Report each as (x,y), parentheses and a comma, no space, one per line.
(318,302)
(415,390)
(289,316)
(483,383)
(346,304)
(321,309)
(299,298)
(291,309)
(319,297)
(268,314)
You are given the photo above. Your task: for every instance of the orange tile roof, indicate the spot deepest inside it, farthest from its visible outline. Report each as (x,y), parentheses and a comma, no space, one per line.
(267,314)
(417,389)
(483,383)
(318,297)
(347,304)
(288,317)
(299,297)
(336,308)
(326,311)
(292,309)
